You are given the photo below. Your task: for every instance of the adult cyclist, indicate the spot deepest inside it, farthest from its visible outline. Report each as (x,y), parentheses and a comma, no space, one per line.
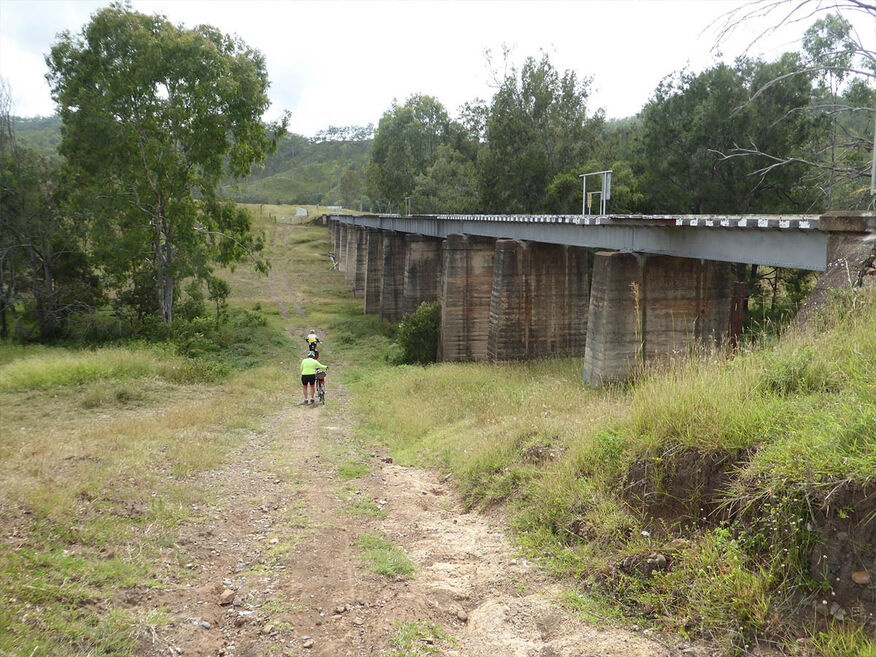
(312,342)
(308,375)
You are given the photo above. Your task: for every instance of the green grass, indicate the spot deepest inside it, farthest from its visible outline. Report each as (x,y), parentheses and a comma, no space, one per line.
(80,452)
(88,435)
(352,470)
(364,507)
(58,367)
(384,558)
(417,639)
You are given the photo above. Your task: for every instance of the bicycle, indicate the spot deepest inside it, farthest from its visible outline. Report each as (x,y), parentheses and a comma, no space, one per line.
(320,385)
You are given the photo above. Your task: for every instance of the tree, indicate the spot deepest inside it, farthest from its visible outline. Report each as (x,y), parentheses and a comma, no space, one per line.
(448,186)
(840,156)
(537,127)
(350,187)
(154,117)
(44,271)
(693,120)
(218,290)
(405,144)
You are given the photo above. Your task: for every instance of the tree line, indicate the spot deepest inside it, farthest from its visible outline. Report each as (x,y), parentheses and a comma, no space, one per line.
(130,219)
(790,135)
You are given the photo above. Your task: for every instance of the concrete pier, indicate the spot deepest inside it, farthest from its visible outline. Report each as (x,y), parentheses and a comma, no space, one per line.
(343,236)
(539,301)
(373,270)
(335,232)
(358,280)
(351,255)
(613,331)
(686,305)
(647,308)
(392,297)
(465,301)
(422,278)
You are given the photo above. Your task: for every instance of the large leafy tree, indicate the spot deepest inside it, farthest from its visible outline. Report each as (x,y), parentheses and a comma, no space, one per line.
(838,159)
(538,127)
(154,117)
(449,185)
(405,145)
(350,187)
(693,120)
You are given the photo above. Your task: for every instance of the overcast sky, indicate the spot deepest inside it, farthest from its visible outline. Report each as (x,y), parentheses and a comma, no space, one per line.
(342,63)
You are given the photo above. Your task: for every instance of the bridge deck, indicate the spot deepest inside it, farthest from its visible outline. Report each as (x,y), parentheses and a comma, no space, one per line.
(793,241)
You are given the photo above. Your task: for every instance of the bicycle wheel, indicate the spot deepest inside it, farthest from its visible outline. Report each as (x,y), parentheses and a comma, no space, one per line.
(320,391)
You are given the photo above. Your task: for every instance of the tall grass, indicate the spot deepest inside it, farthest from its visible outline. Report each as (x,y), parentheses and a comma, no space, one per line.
(58,367)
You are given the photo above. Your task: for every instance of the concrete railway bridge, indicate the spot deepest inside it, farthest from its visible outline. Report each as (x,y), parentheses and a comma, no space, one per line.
(530,286)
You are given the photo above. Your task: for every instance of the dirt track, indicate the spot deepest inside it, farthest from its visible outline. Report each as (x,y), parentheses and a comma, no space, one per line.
(280,536)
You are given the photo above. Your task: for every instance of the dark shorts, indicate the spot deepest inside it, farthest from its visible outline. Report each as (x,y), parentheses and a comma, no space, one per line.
(308,378)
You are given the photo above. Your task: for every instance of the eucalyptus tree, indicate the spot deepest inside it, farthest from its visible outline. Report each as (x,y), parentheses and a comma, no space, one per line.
(449,185)
(842,67)
(405,145)
(538,126)
(154,117)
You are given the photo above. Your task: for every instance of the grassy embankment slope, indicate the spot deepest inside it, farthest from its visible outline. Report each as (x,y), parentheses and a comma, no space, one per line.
(709,500)
(101,449)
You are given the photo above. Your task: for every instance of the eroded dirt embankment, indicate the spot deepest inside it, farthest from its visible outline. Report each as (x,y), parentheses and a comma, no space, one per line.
(689,488)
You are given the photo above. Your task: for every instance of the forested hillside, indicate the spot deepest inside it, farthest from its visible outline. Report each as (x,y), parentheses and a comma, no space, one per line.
(303,171)
(308,172)
(40,133)
(793,134)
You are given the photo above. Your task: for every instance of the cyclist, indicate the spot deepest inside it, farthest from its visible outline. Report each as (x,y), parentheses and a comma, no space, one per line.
(308,375)
(312,342)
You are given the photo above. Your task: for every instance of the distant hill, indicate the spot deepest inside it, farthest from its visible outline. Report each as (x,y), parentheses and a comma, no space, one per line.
(40,133)
(303,171)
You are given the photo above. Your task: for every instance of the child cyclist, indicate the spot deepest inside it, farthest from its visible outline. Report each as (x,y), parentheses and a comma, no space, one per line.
(308,375)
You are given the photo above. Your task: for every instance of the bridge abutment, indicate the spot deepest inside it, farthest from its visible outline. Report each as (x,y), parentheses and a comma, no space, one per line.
(465,299)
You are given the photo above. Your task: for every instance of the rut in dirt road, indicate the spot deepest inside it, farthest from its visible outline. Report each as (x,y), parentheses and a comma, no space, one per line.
(279,545)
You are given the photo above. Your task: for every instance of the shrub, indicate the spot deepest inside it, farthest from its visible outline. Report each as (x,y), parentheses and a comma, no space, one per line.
(418,335)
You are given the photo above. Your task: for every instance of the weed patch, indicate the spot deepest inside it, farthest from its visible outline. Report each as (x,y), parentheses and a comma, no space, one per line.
(383,557)
(417,639)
